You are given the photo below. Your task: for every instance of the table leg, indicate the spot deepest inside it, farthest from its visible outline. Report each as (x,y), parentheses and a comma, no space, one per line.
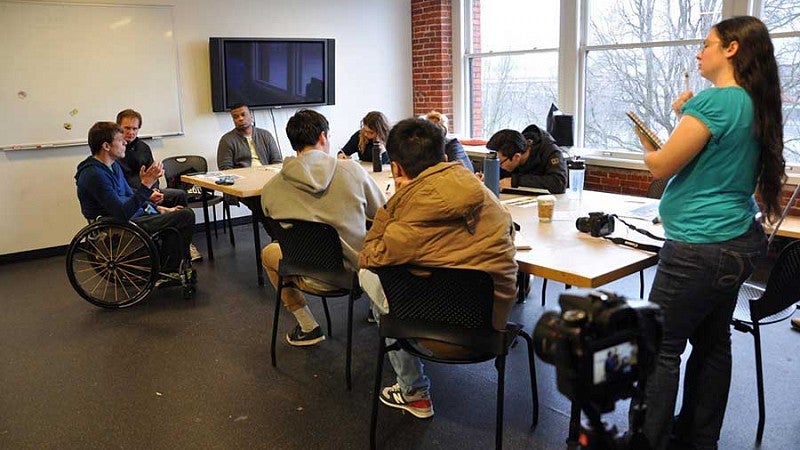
(257,243)
(209,247)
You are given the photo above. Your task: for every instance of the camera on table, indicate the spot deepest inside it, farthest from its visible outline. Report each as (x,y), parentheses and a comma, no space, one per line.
(601,345)
(598,224)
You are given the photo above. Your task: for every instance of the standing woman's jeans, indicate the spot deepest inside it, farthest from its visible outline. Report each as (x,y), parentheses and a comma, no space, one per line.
(696,286)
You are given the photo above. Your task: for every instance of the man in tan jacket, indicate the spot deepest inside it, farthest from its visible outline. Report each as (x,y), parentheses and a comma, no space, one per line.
(441,215)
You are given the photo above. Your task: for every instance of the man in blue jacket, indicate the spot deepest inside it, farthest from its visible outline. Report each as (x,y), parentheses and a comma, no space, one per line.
(103,191)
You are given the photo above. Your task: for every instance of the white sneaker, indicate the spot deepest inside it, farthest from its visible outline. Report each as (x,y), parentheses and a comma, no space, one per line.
(194,253)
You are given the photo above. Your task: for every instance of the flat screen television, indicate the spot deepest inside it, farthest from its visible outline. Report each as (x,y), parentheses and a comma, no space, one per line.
(271,73)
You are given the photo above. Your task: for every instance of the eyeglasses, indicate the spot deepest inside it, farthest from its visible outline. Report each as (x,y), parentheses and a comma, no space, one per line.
(502,160)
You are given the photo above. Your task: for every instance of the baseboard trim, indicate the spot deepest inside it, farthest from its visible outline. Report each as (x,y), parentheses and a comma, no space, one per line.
(30,255)
(61,250)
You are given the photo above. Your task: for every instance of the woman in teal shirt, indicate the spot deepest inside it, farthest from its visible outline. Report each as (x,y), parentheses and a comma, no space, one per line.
(728,142)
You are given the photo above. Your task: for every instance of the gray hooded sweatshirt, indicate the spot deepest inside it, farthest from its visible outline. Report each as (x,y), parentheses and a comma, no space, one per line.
(317,187)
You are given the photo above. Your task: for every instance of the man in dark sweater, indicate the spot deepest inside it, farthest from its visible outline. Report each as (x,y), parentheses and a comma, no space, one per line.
(138,155)
(529,159)
(246,145)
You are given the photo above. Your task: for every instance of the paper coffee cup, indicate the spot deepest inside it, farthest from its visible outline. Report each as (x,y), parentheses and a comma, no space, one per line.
(546,204)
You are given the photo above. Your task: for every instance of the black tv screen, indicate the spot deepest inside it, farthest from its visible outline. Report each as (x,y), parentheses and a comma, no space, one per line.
(271,73)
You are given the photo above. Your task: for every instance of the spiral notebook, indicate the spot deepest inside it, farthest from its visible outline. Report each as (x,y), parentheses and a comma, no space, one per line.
(648,133)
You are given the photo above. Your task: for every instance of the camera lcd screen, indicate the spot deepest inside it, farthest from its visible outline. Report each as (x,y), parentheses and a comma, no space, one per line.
(614,363)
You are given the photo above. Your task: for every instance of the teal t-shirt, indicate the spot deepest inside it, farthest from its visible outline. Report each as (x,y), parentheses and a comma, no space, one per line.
(711,198)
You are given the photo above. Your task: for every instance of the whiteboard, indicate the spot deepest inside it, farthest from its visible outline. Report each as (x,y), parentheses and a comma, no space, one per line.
(67,66)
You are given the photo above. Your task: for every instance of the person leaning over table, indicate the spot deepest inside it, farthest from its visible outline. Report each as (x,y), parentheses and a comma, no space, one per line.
(529,159)
(452,147)
(138,155)
(374,128)
(440,215)
(317,187)
(728,142)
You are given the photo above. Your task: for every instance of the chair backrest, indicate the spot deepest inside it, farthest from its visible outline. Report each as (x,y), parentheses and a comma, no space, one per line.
(310,248)
(656,188)
(444,304)
(783,284)
(176,166)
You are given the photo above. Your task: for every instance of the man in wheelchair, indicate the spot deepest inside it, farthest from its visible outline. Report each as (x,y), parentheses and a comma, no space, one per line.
(104,192)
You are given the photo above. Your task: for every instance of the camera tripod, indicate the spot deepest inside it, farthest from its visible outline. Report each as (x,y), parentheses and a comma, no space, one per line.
(596,434)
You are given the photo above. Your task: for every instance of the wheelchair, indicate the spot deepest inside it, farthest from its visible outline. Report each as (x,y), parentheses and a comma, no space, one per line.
(116,264)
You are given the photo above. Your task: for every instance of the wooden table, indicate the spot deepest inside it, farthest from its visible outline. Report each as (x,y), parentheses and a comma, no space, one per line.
(559,251)
(562,253)
(248,184)
(789,228)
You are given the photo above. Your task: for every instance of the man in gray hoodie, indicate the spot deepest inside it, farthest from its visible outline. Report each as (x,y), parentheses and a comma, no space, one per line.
(318,187)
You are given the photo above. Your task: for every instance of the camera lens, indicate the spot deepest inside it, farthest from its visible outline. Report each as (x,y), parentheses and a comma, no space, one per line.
(546,336)
(584,224)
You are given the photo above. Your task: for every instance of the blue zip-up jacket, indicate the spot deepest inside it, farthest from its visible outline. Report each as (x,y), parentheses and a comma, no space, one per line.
(103,191)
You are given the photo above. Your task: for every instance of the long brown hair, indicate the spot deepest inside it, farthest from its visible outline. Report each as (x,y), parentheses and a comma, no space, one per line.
(755,70)
(376,122)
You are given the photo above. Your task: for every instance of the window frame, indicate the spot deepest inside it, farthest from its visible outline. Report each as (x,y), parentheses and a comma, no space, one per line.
(572,55)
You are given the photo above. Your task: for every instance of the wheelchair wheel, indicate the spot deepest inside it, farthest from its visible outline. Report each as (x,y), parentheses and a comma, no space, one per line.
(112,264)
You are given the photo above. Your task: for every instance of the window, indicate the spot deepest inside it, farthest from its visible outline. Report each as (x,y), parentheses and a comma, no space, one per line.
(512,63)
(638,55)
(624,55)
(782,18)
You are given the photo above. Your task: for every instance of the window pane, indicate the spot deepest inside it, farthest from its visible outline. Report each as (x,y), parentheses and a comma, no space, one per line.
(645,81)
(787,52)
(501,25)
(781,15)
(512,91)
(634,21)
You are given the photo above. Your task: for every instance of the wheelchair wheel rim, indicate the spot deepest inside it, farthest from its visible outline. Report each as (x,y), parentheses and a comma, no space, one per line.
(112,266)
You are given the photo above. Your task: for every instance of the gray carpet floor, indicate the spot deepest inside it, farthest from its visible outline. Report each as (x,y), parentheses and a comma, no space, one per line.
(175,373)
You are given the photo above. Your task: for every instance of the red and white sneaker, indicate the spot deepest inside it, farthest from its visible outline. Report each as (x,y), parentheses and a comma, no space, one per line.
(416,402)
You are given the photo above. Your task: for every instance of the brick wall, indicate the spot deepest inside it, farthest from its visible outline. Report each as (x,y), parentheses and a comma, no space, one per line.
(432,56)
(617,181)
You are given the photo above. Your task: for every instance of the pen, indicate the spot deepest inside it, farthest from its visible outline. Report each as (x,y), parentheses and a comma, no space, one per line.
(388,186)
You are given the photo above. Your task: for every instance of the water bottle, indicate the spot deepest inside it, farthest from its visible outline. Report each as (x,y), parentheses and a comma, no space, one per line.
(577,171)
(377,165)
(491,173)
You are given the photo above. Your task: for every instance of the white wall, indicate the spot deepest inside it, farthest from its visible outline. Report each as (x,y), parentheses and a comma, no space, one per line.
(373,72)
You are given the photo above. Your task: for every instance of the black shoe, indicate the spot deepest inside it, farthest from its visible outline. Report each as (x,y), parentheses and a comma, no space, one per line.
(299,338)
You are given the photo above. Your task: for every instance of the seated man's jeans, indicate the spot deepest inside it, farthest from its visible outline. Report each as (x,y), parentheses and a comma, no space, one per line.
(696,286)
(408,368)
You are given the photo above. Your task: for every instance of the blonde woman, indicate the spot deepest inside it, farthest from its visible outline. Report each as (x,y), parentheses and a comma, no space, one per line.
(452,147)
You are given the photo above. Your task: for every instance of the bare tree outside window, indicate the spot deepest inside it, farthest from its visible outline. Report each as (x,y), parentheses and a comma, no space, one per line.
(640,61)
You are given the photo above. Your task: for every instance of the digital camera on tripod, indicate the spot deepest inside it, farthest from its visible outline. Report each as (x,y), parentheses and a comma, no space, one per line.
(603,347)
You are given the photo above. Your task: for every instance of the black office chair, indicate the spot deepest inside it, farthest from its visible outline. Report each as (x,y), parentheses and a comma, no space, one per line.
(313,249)
(176,166)
(656,188)
(453,306)
(774,303)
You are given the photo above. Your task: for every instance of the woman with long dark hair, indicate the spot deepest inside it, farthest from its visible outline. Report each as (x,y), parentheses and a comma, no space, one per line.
(728,142)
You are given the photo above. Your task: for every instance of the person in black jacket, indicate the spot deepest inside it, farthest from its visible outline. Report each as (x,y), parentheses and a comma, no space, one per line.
(529,159)
(374,128)
(138,155)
